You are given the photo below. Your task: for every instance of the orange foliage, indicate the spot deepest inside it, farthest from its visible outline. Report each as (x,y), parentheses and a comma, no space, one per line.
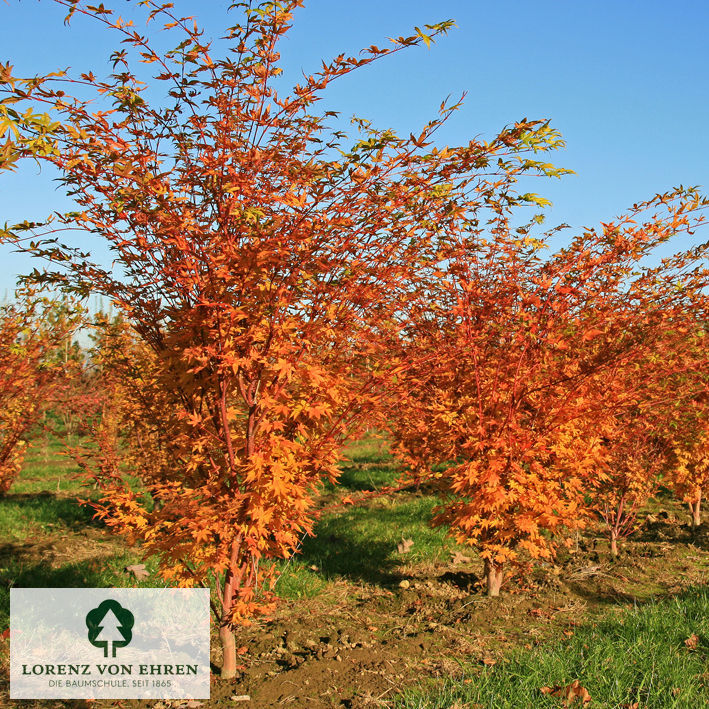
(32,335)
(518,363)
(689,474)
(638,439)
(687,469)
(264,256)
(628,472)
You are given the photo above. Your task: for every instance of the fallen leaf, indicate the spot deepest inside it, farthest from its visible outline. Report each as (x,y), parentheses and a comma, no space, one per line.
(193,703)
(459,558)
(488,661)
(634,705)
(240,698)
(404,584)
(138,570)
(540,613)
(404,545)
(692,641)
(242,650)
(5,634)
(569,694)
(313,567)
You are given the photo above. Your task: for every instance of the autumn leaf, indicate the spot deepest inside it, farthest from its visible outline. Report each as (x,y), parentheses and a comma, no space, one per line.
(458,557)
(138,570)
(692,642)
(569,694)
(404,545)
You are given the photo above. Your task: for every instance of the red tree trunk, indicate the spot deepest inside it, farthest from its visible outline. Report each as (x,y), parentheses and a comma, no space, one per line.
(226,634)
(614,543)
(229,649)
(695,508)
(493,577)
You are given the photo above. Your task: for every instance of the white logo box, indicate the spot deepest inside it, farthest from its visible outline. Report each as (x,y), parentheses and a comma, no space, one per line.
(109,643)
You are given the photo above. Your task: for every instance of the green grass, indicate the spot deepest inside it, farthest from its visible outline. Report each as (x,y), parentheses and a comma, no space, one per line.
(41,517)
(298,580)
(367,465)
(94,572)
(639,656)
(46,469)
(360,544)
(44,497)
(23,515)
(371,448)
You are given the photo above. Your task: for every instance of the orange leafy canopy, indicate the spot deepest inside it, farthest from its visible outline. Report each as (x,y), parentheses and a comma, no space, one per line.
(34,331)
(261,256)
(516,363)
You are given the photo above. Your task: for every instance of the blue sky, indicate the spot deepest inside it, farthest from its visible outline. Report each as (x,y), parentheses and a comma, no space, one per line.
(624,81)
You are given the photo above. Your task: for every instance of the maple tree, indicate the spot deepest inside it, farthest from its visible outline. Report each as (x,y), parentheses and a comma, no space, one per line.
(74,401)
(512,357)
(628,476)
(689,476)
(33,330)
(261,259)
(652,440)
(687,439)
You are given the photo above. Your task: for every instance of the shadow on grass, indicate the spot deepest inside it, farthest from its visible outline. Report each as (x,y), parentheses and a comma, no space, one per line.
(358,477)
(362,543)
(337,555)
(674,533)
(84,574)
(48,508)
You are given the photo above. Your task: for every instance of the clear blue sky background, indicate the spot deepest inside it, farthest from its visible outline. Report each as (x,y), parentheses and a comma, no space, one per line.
(625,81)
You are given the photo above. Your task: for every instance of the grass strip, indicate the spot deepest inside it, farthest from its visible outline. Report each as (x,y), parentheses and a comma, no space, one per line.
(636,659)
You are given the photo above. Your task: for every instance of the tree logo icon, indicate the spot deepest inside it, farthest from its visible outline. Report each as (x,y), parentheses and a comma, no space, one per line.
(110,625)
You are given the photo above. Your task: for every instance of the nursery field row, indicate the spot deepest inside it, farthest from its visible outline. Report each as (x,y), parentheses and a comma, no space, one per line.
(364,620)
